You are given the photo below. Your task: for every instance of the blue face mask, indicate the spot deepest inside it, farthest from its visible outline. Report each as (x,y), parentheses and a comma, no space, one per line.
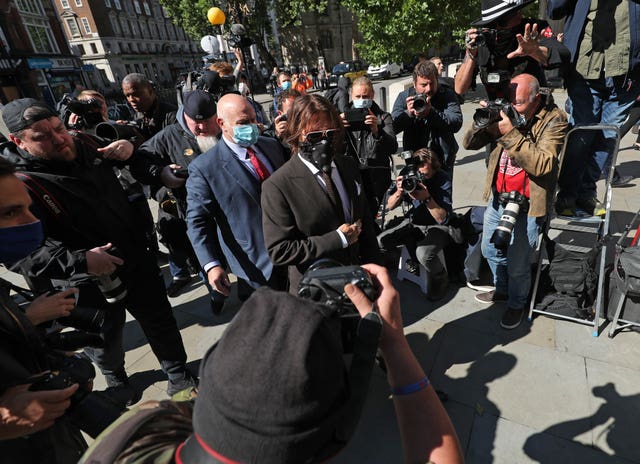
(286,85)
(362,103)
(245,134)
(18,242)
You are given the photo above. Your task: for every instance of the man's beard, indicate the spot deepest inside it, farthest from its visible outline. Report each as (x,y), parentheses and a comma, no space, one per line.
(206,142)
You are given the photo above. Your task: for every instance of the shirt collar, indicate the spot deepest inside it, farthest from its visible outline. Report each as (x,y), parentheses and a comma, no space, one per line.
(314,170)
(239,151)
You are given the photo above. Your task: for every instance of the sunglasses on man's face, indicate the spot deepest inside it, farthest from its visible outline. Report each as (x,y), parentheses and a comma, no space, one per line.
(318,136)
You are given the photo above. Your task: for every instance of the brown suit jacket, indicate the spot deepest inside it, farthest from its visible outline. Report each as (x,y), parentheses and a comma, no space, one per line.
(299,222)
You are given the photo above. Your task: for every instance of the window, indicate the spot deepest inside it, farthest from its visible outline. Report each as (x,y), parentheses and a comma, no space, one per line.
(85,25)
(30,6)
(78,2)
(147,10)
(81,49)
(125,27)
(94,49)
(64,3)
(73,27)
(326,40)
(136,5)
(117,4)
(41,37)
(107,3)
(115,24)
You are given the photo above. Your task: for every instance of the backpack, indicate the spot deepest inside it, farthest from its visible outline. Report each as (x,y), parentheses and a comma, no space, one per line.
(573,277)
(626,271)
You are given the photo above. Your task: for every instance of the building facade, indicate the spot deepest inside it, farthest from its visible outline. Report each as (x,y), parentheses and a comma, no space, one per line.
(35,60)
(116,37)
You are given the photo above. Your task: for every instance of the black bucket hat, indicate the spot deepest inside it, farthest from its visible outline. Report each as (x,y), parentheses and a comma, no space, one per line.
(494,9)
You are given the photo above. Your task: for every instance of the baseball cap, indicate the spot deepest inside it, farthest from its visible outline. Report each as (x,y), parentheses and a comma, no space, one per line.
(275,388)
(14,118)
(199,105)
(494,9)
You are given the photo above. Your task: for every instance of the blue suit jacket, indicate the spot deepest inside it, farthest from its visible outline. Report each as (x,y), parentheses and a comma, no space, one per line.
(224,217)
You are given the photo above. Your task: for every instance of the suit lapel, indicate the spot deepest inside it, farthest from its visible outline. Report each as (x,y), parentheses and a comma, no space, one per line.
(238,173)
(308,185)
(349,185)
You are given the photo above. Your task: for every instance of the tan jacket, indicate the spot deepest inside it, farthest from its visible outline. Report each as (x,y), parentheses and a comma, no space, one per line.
(536,151)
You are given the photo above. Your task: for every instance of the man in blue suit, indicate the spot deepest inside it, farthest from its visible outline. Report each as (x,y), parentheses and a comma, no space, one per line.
(224,217)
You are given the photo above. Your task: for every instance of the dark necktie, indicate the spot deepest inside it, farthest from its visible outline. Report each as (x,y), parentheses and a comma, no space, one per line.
(333,194)
(261,169)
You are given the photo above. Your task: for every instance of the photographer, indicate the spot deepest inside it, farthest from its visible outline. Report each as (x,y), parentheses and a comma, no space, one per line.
(502,45)
(428,115)
(521,177)
(86,214)
(33,428)
(311,399)
(424,231)
(370,140)
(152,113)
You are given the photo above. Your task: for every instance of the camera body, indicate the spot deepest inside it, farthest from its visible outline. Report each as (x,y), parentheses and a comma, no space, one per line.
(513,202)
(420,101)
(182,173)
(412,178)
(89,112)
(326,285)
(484,117)
(486,37)
(83,318)
(356,117)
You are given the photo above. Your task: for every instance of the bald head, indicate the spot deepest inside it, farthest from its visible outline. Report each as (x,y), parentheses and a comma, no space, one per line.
(525,94)
(234,110)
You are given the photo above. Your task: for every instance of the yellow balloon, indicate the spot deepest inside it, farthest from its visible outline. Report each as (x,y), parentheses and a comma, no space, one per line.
(216,16)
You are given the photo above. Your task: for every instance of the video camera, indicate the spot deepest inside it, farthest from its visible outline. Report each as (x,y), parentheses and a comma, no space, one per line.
(237,38)
(89,112)
(412,178)
(484,117)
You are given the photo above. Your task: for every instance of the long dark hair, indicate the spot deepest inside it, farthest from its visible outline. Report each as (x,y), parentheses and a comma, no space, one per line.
(306,111)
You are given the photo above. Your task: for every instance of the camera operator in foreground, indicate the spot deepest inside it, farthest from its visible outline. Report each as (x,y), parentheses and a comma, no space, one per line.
(33,428)
(502,44)
(428,115)
(521,177)
(276,389)
(370,140)
(425,229)
(86,214)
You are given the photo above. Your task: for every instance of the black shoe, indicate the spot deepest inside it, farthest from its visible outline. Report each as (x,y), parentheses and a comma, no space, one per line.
(179,384)
(620,181)
(490,297)
(591,206)
(566,206)
(120,389)
(216,306)
(438,288)
(412,267)
(176,285)
(511,318)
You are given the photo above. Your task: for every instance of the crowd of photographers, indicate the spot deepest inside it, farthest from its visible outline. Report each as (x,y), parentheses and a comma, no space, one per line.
(288,201)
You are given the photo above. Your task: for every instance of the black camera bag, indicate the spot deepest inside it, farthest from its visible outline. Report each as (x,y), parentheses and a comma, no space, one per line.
(626,271)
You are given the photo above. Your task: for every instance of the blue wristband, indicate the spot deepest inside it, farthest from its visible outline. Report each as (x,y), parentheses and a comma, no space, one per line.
(411,388)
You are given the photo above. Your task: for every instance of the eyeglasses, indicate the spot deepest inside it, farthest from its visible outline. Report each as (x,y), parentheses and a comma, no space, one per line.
(318,136)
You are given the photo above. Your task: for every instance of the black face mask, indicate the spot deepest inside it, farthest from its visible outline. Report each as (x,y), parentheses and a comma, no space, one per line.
(506,41)
(319,154)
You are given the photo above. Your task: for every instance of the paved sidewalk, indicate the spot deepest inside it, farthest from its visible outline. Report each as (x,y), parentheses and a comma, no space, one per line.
(547,392)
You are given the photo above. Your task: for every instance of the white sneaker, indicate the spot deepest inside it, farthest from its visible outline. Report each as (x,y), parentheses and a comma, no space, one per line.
(480,288)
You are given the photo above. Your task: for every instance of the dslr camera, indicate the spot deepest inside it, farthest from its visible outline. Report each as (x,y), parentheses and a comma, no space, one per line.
(512,202)
(486,37)
(420,101)
(412,178)
(82,318)
(484,117)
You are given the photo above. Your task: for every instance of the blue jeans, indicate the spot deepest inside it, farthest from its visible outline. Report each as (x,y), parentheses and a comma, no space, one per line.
(511,269)
(595,101)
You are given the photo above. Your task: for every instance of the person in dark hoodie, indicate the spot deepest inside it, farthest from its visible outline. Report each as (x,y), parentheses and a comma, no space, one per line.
(159,161)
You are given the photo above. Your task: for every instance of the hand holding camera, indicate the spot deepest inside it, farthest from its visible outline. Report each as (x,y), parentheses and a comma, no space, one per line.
(100,263)
(351,231)
(49,306)
(419,105)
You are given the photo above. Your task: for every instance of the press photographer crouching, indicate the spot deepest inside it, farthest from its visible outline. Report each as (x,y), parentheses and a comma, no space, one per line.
(522,171)
(424,228)
(277,388)
(45,396)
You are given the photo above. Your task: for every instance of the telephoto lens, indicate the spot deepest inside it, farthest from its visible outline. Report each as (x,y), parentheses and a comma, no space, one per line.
(501,237)
(111,285)
(419,103)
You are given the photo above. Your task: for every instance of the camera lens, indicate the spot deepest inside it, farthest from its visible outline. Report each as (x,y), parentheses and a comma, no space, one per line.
(501,237)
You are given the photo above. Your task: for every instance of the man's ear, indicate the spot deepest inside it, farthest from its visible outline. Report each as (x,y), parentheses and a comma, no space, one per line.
(16,140)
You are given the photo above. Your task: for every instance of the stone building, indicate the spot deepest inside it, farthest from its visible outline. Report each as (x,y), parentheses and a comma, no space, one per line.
(116,37)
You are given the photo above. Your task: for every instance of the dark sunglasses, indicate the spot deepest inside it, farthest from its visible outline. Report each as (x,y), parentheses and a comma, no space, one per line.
(318,136)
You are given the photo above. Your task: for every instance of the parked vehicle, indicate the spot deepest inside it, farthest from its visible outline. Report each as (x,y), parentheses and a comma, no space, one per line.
(349,69)
(384,71)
